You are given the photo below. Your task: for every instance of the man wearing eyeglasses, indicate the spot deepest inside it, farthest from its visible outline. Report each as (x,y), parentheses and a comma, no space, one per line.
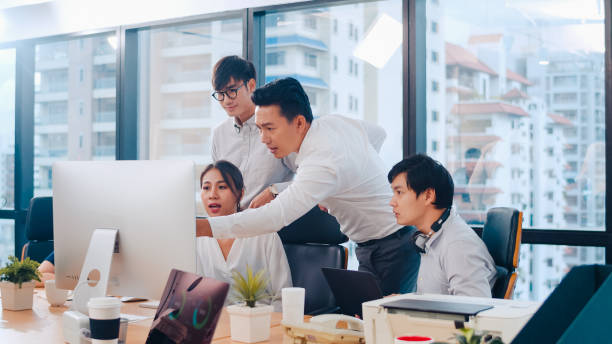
(237,140)
(454,260)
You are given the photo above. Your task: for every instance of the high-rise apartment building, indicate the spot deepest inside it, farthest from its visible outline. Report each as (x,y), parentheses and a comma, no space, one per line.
(74,109)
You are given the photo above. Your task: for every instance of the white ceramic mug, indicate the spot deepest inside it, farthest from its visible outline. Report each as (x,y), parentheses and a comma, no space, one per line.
(104,320)
(55,296)
(413,339)
(293,305)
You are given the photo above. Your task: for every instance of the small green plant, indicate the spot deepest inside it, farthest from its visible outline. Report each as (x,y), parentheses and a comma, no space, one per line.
(18,272)
(469,336)
(252,288)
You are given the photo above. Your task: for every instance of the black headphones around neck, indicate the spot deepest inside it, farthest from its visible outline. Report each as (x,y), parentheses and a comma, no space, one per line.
(439,222)
(421,239)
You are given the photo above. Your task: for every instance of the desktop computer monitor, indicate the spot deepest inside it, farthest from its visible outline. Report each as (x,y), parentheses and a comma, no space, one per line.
(150,203)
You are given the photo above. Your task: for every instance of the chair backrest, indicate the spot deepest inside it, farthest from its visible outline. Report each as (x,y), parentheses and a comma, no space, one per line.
(39,229)
(502,236)
(305,262)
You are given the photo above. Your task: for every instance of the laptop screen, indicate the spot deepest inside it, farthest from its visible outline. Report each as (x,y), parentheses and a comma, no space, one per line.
(188,310)
(352,288)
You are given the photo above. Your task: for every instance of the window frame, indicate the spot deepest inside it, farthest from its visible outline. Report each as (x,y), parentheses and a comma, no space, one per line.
(414,112)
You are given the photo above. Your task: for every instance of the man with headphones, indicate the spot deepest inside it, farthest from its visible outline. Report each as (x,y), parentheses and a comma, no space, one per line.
(454,260)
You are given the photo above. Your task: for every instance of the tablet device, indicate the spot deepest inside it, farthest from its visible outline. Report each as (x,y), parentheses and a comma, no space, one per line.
(352,288)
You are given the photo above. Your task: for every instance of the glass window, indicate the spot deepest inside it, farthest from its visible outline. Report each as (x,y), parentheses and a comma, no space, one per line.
(7,130)
(7,240)
(501,122)
(275,58)
(542,267)
(60,99)
(374,62)
(375,91)
(310,60)
(176,112)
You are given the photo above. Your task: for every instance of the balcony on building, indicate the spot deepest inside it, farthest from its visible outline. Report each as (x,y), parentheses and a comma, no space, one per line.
(192,151)
(52,56)
(187,81)
(103,151)
(104,117)
(52,152)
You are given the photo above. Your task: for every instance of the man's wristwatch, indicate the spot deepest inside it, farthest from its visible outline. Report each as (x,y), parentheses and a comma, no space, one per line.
(273,190)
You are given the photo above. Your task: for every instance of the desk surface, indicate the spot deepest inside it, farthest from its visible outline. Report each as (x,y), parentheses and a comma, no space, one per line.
(44,324)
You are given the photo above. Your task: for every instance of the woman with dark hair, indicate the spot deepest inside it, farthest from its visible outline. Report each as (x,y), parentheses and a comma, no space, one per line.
(222,188)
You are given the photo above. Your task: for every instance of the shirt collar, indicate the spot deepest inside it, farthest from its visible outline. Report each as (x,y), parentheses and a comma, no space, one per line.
(439,233)
(305,142)
(249,123)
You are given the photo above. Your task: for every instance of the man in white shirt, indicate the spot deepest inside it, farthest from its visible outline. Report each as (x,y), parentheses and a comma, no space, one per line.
(237,140)
(338,168)
(454,260)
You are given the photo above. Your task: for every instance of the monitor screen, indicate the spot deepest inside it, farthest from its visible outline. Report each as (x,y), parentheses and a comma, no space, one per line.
(150,203)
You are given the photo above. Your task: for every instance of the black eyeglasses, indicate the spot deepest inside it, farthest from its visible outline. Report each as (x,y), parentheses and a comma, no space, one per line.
(231,93)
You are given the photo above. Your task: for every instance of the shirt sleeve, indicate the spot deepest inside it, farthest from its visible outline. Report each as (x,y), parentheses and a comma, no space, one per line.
(213,148)
(466,270)
(315,181)
(289,163)
(278,269)
(376,134)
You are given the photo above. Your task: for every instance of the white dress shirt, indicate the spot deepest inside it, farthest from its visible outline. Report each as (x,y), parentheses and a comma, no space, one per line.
(241,145)
(260,252)
(456,262)
(339,168)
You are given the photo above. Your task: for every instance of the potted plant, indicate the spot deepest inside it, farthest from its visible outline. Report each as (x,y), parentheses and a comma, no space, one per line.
(469,336)
(249,320)
(17,283)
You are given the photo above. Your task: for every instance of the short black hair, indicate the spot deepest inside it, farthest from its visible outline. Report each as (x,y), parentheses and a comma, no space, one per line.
(422,173)
(232,67)
(231,176)
(287,93)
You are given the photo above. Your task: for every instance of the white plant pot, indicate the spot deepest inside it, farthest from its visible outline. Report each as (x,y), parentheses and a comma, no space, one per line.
(15,298)
(250,325)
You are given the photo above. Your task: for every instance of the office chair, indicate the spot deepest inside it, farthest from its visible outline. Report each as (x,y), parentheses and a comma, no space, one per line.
(502,236)
(39,229)
(305,262)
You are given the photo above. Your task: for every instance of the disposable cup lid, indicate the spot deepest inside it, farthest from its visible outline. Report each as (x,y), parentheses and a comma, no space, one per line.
(104,302)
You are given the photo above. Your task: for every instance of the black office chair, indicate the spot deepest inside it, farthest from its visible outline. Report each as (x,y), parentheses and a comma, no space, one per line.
(502,236)
(39,229)
(305,262)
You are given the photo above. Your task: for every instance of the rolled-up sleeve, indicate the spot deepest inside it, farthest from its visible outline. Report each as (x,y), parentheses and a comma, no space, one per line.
(315,181)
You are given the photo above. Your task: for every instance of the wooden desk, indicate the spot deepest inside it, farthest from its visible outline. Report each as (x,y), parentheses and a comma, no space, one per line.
(43,324)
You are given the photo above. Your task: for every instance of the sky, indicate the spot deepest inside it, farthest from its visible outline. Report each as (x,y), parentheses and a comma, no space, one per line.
(560,25)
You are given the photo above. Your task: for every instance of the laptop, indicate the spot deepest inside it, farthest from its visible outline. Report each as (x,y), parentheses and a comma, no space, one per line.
(189,309)
(352,288)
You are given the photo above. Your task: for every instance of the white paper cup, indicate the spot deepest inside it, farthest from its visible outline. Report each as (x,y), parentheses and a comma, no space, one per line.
(413,339)
(56,297)
(104,321)
(293,305)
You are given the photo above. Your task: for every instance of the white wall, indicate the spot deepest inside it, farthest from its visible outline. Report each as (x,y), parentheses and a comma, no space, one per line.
(70,16)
